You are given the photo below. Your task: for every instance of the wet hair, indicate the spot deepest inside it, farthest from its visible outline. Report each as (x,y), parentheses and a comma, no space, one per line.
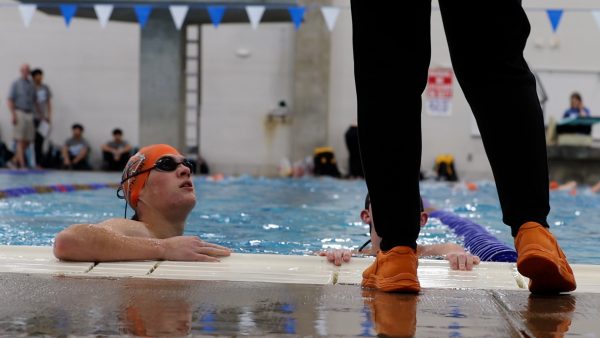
(368,202)
(576,95)
(77,126)
(117,131)
(36,71)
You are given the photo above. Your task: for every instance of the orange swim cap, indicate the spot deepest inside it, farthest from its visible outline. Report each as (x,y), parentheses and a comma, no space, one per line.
(144,159)
(553,185)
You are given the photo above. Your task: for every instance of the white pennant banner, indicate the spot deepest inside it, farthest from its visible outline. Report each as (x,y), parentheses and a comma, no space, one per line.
(255,14)
(178,12)
(330,14)
(103,13)
(596,15)
(27,12)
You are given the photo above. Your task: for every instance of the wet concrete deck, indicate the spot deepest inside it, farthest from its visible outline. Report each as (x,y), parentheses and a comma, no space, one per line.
(279,295)
(55,306)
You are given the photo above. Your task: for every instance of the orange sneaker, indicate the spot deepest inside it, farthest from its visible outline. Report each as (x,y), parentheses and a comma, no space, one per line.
(394,270)
(542,260)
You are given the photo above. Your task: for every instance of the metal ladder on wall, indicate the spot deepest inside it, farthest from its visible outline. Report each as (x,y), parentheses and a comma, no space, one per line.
(192,91)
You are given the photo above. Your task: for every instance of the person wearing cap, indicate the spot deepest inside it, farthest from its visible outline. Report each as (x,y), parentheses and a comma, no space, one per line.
(457,257)
(157,184)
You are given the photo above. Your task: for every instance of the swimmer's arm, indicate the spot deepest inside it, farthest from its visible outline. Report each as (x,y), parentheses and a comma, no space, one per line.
(124,240)
(455,254)
(105,243)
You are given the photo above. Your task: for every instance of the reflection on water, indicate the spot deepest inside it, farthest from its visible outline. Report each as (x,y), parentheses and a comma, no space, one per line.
(547,316)
(37,306)
(393,315)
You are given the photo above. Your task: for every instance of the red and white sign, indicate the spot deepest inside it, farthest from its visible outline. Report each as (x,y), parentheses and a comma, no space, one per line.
(439,91)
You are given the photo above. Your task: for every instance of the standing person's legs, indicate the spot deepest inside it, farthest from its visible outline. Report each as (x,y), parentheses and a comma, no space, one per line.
(377,36)
(20,153)
(501,91)
(38,145)
(397,52)
(23,133)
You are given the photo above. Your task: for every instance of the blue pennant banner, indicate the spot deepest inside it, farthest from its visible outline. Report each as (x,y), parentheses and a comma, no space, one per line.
(142,12)
(297,14)
(68,12)
(554,15)
(216,14)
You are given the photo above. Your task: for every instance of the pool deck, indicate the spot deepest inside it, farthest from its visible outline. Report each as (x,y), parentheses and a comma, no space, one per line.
(491,300)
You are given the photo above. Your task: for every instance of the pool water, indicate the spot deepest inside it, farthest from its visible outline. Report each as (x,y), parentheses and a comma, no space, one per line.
(286,216)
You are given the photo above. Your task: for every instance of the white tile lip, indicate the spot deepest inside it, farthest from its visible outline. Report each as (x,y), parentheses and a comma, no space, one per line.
(271,268)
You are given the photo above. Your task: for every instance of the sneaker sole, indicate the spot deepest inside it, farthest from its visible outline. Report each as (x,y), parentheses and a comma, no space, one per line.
(404,283)
(545,273)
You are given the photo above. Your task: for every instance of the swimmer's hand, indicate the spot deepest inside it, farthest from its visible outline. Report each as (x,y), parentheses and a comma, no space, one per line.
(337,256)
(462,260)
(191,248)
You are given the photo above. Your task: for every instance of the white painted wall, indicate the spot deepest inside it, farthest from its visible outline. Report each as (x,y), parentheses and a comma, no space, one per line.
(92,72)
(239,91)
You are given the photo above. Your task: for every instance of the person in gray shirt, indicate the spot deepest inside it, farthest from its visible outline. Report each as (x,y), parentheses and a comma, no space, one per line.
(76,150)
(21,103)
(43,112)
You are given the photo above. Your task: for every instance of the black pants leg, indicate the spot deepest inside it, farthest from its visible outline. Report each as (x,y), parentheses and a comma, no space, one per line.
(486,40)
(391,49)
(38,145)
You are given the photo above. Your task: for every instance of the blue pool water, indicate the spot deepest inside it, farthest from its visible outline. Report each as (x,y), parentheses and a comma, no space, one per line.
(287,216)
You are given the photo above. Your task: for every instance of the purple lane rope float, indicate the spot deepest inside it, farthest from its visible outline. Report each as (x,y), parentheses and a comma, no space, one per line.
(44,189)
(476,238)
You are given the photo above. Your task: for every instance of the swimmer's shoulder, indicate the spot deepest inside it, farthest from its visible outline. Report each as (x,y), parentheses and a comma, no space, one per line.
(127,227)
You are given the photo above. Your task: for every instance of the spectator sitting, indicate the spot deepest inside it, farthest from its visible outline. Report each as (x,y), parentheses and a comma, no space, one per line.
(577,110)
(76,150)
(116,153)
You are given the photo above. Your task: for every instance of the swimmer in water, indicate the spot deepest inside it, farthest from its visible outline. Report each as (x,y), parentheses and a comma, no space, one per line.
(455,254)
(157,184)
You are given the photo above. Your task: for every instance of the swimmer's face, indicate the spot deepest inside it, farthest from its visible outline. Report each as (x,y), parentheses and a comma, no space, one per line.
(170,191)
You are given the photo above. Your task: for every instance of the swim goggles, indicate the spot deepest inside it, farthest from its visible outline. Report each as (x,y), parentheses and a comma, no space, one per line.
(165,164)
